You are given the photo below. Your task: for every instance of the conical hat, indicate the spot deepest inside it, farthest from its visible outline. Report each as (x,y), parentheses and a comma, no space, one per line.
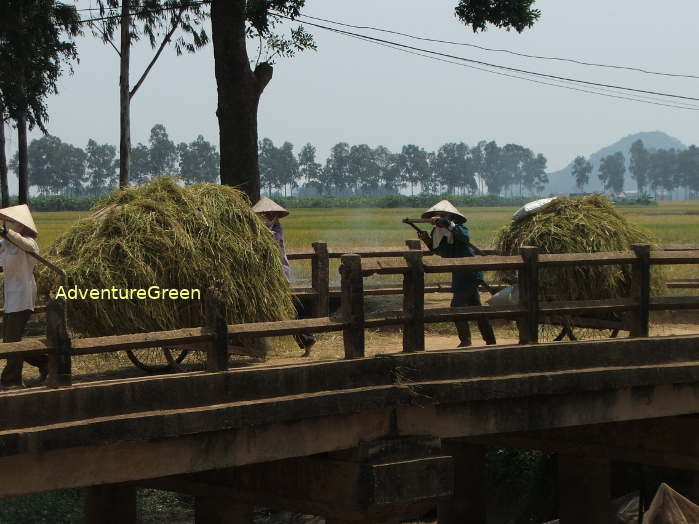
(22,215)
(444,206)
(267,205)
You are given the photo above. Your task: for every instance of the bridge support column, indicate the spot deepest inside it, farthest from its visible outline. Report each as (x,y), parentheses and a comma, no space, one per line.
(221,510)
(110,504)
(467,504)
(584,487)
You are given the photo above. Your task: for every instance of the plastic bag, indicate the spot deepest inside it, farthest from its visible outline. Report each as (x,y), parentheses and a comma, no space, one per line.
(508,296)
(530,208)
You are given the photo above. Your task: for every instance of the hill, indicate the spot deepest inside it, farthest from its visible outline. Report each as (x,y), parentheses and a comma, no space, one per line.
(563,182)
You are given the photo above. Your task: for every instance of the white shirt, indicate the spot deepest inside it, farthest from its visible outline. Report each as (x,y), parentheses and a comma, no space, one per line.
(18,270)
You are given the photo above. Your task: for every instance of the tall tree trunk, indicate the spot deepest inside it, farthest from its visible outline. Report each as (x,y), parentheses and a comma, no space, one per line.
(22,171)
(3,165)
(124,99)
(239,90)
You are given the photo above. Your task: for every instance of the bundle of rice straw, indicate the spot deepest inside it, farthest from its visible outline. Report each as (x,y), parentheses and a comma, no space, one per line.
(177,238)
(587,224)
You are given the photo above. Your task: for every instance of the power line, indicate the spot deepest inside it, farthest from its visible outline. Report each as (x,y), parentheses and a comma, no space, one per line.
(540,57)
(647,100)
(512,69)
(435,55)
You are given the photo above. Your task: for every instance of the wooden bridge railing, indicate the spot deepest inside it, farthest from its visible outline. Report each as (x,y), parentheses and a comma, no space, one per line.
(215,336)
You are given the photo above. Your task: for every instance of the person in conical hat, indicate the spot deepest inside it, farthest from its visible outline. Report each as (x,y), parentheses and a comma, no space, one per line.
(19,233)
(271,212)
(449,238)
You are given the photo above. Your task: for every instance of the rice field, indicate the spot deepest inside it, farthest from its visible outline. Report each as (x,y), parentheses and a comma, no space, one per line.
(671,222)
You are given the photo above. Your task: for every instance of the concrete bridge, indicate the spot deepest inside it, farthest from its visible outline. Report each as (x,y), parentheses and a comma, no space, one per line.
(363,440)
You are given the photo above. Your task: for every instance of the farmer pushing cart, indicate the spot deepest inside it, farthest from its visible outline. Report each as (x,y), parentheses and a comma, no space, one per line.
(449,238)
(18,256)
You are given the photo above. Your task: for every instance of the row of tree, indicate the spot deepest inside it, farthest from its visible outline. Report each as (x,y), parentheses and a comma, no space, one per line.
(455,168)
(56,167)
(653,169)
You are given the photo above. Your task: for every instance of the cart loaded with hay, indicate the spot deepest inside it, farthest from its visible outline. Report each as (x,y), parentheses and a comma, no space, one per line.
(171,238)
(588,224)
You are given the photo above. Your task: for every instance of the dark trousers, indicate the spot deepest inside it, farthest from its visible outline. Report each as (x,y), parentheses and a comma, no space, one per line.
(13,329)
(304,339)
(470,297)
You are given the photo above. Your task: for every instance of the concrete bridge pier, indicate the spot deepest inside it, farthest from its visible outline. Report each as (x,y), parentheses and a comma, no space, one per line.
(584,490)
(467,504)
(110,504)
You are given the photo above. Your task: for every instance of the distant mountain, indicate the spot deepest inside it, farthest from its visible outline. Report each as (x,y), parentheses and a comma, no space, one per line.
(563,182)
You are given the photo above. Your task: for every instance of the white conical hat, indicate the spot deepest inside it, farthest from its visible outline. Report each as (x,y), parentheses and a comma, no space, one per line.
(267,205)
(444,206)
(22,215)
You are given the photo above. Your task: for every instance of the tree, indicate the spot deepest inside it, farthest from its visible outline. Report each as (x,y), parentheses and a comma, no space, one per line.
(639,164)
(452,168)
(162,152)
(33,54)
(611,172)
(364,171)
(139,164)
(535,177)
(581,172)
(415,169)
(288,167)
(101,167)
(688,170)
(54,167)
(494,169)
(240,88)
(268,165)
(309,169)
(337,168)
(198,162)
(389,170)
(135,19)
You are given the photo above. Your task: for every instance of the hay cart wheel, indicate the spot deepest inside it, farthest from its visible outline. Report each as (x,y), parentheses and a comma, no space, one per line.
(158,360)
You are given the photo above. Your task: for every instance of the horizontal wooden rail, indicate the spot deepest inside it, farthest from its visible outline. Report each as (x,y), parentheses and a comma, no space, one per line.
(389,252)
(686,283)
(588,259)
(287,327)
(88,346)
(672,303)
(674,257)
(486,263)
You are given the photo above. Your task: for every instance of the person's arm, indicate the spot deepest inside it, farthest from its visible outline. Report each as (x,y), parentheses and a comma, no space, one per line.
(461,234)
(21,242)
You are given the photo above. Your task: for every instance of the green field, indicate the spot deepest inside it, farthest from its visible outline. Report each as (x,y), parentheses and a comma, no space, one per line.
(670,222)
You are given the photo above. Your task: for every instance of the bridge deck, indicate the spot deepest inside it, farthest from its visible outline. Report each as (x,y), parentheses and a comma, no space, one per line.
(138,428)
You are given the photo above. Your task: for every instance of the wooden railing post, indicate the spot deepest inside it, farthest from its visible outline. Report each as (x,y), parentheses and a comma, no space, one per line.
(414,303)
(217,351)
(59,342)
(641,290)
(320,279)
(528,281)
(352,285)
(414,244)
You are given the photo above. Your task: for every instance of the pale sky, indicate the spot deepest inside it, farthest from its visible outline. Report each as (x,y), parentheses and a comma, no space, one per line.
(358,92)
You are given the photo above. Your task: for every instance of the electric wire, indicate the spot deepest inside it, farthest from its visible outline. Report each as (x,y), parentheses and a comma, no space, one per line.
(647,100)
(509,51)
(513,69)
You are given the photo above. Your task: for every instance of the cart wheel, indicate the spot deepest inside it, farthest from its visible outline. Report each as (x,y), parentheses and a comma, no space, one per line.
(157,360)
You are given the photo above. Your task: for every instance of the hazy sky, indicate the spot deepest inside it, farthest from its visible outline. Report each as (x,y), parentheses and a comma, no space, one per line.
(358,92)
